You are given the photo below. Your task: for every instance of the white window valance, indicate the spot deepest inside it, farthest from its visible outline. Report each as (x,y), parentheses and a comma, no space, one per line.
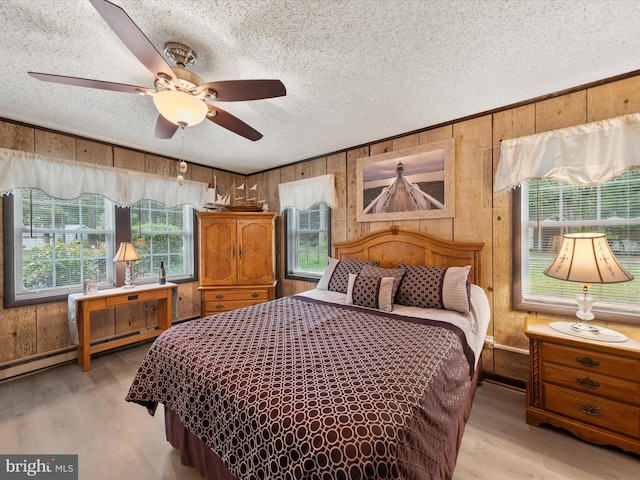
(304,194)
(67,179)
(586,154)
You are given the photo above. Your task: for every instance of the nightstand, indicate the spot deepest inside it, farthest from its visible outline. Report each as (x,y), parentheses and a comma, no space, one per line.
(588,387)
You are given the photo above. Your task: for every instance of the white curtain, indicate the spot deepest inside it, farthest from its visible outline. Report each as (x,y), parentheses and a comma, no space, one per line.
(586,154)
(304,194)
(66,180)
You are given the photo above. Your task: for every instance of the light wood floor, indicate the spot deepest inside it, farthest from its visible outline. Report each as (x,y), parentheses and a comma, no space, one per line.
(64,410)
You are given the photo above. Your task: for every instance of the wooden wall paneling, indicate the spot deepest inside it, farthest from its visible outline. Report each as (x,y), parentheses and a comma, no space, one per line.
(129,159)
(160,166)
(52,327)
(511,364)
(560,112)
(406,141)
(17,137)
(613,99)
(188,301)
(55,144)
(223,180)
(380,148)
(272,179)
(128,318)
(337,165)
(94,152)
(285,286)
(312,168)
(1,256)
(512,123)
(103,323)
(355,229)
(18,333)
(436,135)
(473,217)
(440,227)
(199,173)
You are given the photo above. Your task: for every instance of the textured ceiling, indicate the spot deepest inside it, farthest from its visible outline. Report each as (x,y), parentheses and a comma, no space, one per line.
(355,71)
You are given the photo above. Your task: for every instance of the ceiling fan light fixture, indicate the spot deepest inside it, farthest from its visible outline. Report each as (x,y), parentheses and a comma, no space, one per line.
(180,107)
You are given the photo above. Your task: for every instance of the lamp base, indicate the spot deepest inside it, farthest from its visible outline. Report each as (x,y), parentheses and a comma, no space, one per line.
(585,327)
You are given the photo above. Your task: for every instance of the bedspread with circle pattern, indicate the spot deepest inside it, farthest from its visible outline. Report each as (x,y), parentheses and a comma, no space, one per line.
(298,388)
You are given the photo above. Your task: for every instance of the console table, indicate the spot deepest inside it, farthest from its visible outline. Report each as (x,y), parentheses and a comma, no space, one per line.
(81,306)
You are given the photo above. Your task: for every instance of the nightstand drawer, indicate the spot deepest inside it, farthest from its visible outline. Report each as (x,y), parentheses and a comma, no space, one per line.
(592,383)
(590,409)
(234,295)
(591,361)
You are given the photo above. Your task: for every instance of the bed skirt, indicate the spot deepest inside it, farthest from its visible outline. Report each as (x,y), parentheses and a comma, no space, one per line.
(194,453)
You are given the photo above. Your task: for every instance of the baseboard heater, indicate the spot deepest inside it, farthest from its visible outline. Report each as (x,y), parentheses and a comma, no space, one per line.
(36,363)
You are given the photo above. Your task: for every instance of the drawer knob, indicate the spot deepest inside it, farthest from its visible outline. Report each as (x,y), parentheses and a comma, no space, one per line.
(219,306)
(587,382)
(588,361)
(255,295)
(219,296)
(588,409)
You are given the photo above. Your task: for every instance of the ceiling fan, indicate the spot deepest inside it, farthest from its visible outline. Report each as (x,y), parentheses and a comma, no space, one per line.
(180,95)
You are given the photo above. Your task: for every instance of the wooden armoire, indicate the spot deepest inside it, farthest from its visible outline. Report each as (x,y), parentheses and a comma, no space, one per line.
(237,260)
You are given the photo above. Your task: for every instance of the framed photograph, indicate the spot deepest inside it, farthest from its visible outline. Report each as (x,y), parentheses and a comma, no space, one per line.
(408,184)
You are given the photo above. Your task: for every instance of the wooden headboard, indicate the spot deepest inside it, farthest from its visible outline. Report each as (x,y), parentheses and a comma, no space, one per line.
(394,245)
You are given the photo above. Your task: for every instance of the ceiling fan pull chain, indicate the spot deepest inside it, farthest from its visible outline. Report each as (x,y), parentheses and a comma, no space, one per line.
(182,165)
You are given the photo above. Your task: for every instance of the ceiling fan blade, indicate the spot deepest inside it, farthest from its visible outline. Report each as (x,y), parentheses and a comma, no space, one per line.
(133,38)
(241,90)
(87,82)
(234,124)
(164,128)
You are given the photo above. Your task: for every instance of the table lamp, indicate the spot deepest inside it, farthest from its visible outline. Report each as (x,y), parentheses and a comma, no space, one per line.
(127,253)
(586,258)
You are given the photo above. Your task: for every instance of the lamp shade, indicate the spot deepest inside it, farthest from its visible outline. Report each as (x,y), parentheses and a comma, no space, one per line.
(180,107)
(126,253)
(587,258)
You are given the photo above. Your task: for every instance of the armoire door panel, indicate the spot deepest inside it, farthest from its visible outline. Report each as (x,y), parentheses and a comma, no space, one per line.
(254,255)
(218,263)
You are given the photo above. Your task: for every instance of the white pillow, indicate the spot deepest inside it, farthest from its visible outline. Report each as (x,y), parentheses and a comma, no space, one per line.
(323,284)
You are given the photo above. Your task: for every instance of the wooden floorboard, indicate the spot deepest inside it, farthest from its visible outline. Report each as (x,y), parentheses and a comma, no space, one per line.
(67,411)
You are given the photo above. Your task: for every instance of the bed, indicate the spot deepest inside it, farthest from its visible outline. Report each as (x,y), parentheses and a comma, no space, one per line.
(370,375)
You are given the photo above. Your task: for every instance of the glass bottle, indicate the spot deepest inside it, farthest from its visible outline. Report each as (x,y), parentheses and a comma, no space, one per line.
(163,275)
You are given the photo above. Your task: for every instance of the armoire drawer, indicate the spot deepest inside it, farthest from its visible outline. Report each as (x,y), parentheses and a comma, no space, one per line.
(236,295)
(212,308)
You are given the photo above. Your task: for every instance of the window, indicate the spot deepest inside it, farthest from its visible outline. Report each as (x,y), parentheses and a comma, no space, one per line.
(52,246)
(544,210)
(162,235)
(308,239)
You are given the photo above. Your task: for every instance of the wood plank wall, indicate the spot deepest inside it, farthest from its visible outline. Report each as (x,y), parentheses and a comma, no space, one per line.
(480,215)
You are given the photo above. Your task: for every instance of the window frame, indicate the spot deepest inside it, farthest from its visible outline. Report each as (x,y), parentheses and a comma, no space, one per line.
(123,232)
(565,306)
(191,263)
(288,240)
